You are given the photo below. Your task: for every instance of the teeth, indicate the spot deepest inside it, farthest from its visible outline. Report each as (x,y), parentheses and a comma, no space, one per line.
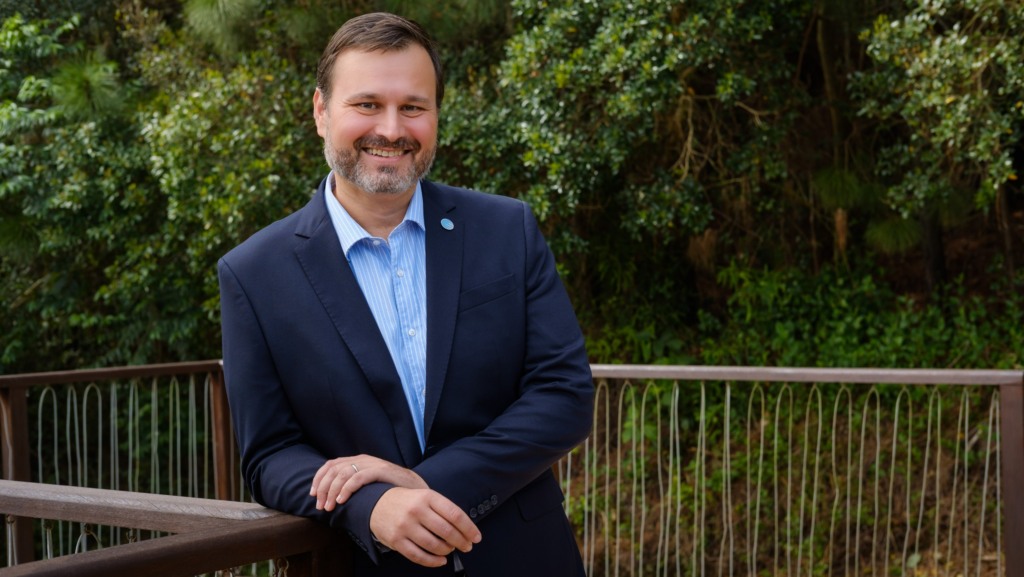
(385,153)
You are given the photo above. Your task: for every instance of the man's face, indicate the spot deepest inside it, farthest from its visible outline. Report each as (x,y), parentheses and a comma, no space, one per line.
(380,124)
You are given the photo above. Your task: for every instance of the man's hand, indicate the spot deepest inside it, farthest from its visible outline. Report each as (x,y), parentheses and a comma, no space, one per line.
(423,525)
(339,478)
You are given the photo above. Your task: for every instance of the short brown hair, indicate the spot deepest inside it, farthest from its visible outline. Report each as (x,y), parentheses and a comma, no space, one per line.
(376,32)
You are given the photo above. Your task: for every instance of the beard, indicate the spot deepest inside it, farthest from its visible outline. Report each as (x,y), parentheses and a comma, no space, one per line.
(381,180)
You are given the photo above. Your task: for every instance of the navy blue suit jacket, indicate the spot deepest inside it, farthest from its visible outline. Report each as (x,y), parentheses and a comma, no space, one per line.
(508,386)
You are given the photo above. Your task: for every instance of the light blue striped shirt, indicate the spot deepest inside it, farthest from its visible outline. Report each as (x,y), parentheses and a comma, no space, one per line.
(392,274)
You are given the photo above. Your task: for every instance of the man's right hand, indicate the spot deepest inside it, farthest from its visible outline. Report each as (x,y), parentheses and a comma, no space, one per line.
(423,525)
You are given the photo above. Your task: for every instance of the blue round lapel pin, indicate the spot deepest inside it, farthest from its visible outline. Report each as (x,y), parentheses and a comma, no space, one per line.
(447,224)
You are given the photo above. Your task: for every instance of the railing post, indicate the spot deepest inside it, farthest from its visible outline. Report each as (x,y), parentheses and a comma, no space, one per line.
(15,449)
(1011,400)
(224,462)
(333,559)
(325,562)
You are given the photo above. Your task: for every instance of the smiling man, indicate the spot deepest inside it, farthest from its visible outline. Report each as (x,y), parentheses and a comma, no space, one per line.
(402,360)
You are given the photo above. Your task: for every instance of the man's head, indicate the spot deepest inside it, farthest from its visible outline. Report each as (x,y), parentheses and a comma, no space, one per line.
(376,105)
(376,32)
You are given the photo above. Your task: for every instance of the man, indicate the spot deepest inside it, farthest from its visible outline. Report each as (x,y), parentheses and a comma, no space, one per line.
(402,360)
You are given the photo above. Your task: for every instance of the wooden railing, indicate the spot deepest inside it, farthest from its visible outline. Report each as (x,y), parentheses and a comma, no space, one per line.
(206,535)
(624,393)
(15,449)
(653,494)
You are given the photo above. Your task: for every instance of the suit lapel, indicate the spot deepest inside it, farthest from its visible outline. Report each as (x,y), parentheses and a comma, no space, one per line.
(444,280)
(320,255)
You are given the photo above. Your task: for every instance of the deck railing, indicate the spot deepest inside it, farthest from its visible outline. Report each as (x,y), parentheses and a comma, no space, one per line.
(696,471)
(204,535)
(710,471)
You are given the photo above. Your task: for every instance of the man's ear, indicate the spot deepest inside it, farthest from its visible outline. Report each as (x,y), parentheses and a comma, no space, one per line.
(320,113)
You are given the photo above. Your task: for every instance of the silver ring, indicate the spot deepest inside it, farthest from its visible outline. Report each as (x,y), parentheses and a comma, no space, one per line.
(354,468)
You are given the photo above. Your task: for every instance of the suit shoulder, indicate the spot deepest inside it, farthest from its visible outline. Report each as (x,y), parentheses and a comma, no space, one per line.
(472,199)
(276,238)
(264,242)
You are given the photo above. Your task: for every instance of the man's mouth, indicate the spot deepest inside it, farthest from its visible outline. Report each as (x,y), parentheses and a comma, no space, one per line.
(384,153)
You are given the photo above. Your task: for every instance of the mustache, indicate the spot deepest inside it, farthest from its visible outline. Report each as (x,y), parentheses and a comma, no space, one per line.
(381,142)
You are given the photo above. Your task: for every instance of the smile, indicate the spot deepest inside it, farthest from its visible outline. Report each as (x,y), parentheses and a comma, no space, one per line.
(384,153)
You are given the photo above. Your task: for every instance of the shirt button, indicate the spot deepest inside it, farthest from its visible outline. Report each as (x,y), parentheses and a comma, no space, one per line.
(400,273)
(412,332)
(376,242)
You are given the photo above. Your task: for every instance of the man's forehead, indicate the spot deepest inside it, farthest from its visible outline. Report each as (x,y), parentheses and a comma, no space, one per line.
(363,55)
(368,73)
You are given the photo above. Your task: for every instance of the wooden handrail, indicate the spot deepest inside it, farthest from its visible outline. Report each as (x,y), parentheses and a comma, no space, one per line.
(109,374)
(810,375)
(212,549)
(213,534)
(146,511)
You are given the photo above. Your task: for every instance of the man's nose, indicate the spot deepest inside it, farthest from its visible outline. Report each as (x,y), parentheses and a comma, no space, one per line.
(391,125)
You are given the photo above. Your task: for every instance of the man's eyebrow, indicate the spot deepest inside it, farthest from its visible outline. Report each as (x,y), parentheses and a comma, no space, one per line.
(374,96)
(363,96)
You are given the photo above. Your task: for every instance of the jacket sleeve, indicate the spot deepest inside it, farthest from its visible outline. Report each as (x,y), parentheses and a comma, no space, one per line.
(278,460)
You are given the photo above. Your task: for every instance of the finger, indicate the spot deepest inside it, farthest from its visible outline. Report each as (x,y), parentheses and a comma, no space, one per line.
(325,482)
(450,536)
(430,542)
(333,489)
(318,477)
(457,517)
(453,525)
(353,484)
(413,552)
(320,491)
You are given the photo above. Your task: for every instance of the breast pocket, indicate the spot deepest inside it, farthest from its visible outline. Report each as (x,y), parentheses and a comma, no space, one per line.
(486,293)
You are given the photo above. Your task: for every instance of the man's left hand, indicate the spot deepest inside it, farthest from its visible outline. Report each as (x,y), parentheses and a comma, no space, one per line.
(338,479)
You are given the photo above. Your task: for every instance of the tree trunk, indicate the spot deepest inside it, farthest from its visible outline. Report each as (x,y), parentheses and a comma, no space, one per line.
(934,252)
(1005,230)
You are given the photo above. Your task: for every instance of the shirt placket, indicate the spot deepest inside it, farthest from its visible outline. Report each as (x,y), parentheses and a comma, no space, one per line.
(403,283)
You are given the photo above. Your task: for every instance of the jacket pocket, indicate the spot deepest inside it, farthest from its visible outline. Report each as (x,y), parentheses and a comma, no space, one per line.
(486,293)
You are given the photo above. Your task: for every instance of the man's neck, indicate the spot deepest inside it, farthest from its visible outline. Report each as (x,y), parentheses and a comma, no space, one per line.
(378,214)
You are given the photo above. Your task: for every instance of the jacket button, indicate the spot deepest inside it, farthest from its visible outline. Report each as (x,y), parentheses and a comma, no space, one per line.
(494,499)
(472,512)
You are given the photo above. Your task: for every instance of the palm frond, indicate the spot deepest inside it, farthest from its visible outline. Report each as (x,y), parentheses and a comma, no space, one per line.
(894,235)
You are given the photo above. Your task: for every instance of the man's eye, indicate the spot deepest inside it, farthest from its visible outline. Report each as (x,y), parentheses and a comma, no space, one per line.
(367,105)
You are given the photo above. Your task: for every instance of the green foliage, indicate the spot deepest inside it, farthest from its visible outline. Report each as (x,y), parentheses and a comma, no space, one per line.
(843,189)
(843,319)
(948,75)
(129,214)
(627,126)
(87,87)
(692,165)
(894,235)
(222,23)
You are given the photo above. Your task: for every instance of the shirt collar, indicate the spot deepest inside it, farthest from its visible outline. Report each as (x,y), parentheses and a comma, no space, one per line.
(350,232)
